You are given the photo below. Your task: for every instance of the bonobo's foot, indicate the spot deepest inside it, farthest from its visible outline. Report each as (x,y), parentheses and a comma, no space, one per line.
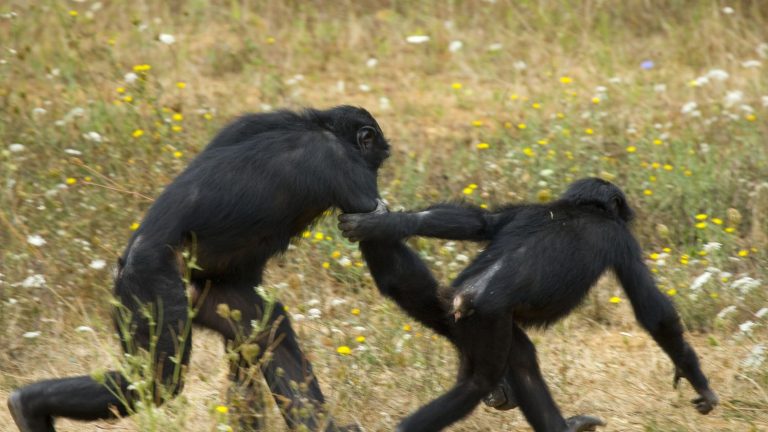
(25,422)
(502,398)
(583,423)
(706,401)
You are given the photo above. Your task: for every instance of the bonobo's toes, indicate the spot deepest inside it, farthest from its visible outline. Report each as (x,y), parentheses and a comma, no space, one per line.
(462,307)
(501,398)
(583,423)
(25,422)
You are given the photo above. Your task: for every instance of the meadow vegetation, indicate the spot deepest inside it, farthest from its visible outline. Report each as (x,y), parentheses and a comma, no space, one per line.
(103,103)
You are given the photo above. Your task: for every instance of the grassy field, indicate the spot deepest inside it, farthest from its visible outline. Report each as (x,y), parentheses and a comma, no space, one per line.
(103,103)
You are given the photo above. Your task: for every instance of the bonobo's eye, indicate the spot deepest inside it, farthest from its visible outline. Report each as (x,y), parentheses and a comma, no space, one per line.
(365,137)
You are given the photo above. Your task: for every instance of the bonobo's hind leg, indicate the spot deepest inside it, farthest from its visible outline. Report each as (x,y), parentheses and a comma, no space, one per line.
(154,311)
(532,393)
(287,371)
(484,349)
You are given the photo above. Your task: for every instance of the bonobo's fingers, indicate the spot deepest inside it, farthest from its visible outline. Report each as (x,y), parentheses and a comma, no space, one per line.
(583,423)
(350,226)
(706,401)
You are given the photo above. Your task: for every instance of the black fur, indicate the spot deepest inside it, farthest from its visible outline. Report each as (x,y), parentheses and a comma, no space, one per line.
(261,181)
(540,262)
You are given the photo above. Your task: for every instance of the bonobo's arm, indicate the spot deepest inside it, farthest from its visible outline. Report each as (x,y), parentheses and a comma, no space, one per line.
(445,221)
(657,315)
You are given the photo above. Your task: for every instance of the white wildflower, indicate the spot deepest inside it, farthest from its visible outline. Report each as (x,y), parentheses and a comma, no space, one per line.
(745,284)
(16,148)
(726,310)
(313,302)
(314,313)
(455,46)
(130,77)
(384,103)
(764,99)
(546,172)
(92,136)
(712,246)
(36,240)
(762,312)
(660,88)
(365,88)
(298,317)
(166,38)
(495,46)
(615,80)
(462,258)
(728,10)
(345,262)
(38,111)
(755,358)
(718,75)
(338,301)
(751,64)
(746,327)
(700,281)
(520,65)
(97,264)
(84,329)
(372,63)
(689,107)
(73,152)
(417,39)
(31,334)
(733,97)
(34,281)
(700,81)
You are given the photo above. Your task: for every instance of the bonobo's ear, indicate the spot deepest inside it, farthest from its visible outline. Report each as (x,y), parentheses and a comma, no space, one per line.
(620,208)
(365,137)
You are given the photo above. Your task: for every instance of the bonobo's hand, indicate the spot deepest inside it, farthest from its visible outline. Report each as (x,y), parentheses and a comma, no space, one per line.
(707,400)
(362,226)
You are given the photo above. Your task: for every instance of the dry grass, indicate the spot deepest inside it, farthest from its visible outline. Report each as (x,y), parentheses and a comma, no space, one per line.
(435,106)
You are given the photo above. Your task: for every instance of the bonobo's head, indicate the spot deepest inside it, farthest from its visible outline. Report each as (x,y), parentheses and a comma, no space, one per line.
(357,127)
(600,193)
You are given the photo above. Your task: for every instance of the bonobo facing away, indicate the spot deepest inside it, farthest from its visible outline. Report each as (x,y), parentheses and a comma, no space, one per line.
(260,182)
(540,262)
